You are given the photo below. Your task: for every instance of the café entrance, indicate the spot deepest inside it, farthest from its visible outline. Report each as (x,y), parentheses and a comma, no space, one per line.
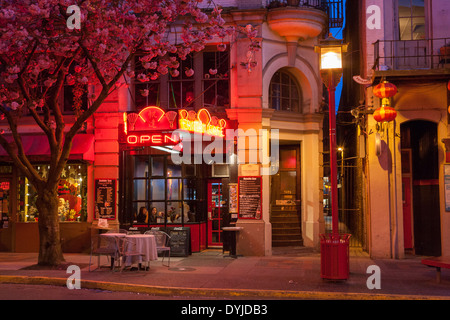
(215,207)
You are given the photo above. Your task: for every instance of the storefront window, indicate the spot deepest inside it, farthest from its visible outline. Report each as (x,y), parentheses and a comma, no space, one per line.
(167,194)
(72,193)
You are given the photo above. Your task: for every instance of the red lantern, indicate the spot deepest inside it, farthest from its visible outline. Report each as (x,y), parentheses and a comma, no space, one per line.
(385,90)
(448,85)
(385,114)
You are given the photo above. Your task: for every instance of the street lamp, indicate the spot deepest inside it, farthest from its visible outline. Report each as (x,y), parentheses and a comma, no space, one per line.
(330,51)
(334,249)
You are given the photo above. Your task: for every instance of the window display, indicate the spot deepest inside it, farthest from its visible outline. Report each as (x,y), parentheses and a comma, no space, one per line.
(72,193)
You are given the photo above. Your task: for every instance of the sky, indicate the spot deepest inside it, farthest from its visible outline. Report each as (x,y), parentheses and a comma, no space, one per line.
(337,33)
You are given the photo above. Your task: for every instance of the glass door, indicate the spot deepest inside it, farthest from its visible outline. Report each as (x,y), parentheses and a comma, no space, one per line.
(214,213)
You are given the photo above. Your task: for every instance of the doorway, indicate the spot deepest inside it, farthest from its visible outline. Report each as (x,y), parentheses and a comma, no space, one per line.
(215,213)
(420,177)
(285,215)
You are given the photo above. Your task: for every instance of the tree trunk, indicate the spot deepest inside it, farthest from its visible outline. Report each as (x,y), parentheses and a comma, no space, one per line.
(50,251)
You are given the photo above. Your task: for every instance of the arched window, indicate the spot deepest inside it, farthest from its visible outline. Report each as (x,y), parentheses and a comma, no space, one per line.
(284,92)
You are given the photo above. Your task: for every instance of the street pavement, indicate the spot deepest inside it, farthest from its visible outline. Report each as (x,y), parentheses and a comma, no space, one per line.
(289,274)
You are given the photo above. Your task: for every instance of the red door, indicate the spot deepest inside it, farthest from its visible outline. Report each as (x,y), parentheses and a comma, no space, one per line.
(214,213)
(407,213)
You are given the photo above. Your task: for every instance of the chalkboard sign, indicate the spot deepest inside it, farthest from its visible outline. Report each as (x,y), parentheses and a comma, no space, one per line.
(180,241)
(105,198)
(250,204)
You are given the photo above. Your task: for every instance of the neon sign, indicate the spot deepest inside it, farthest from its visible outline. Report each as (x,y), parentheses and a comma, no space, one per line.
(153,126)
(152,139)
(201,122)
(150,118)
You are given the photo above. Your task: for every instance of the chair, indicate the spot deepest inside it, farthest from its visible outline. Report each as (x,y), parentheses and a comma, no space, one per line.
(162,243)
(127,248)
(101,246)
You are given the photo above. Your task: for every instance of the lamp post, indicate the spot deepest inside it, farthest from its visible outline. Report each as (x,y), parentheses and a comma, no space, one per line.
(334,247)
(341,150)
(330,51)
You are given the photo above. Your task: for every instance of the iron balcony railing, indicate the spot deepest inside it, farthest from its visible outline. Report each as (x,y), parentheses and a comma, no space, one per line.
(412,54)
(333,8)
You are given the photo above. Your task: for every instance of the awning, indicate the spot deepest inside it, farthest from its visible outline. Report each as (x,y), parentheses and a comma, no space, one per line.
(37,146)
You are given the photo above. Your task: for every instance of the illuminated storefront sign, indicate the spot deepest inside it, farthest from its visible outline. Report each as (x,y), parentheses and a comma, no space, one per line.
(152,139)
(153,126)
(201,122)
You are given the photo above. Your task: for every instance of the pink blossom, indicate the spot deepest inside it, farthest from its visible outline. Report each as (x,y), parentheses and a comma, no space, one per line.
(142,77)
(14,105)
(162,69)
(44,63)
(11,78)
(189,72)
(154,76)
(83,80)
(14,69)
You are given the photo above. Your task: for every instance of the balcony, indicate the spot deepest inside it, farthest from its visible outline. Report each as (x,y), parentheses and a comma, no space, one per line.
(334,9)
(425,54)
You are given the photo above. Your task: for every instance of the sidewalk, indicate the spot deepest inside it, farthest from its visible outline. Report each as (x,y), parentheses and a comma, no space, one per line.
(287,274)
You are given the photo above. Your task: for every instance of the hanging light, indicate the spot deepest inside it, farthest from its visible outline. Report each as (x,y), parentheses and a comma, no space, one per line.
(385,90)
(385,114)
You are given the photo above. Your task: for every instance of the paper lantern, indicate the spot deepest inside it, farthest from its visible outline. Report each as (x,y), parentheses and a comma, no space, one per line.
(385,114)
(448,85)
(385,90)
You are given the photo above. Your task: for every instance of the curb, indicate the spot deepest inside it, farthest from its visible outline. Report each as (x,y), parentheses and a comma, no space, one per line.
(235,293)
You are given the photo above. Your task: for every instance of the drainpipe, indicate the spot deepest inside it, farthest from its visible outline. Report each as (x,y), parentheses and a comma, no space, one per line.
(394,172)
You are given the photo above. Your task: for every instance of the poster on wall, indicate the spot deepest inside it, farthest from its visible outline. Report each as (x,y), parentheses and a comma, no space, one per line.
(250,200)
(233,204)
(105,199)
(447,186)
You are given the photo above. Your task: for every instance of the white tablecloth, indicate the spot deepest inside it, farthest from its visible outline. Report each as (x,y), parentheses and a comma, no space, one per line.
(143,243)
(111,238)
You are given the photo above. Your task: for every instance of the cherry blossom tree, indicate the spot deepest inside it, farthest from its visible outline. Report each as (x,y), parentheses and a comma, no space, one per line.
(42,49)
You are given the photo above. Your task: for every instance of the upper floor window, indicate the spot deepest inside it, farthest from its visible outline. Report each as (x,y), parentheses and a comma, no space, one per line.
(202,80)
(70,97)
(284,92)
(411,19)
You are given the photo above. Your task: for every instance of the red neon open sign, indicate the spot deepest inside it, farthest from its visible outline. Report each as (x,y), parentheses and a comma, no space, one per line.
(152,139)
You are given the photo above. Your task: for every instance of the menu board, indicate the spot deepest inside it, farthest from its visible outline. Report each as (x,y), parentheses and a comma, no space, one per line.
(250,203)
(180,240)
(105,198)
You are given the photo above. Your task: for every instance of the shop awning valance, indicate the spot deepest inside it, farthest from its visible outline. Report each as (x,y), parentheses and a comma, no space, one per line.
(38,146)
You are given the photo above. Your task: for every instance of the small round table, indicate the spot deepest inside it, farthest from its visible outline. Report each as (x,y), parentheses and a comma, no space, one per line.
(232,239)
